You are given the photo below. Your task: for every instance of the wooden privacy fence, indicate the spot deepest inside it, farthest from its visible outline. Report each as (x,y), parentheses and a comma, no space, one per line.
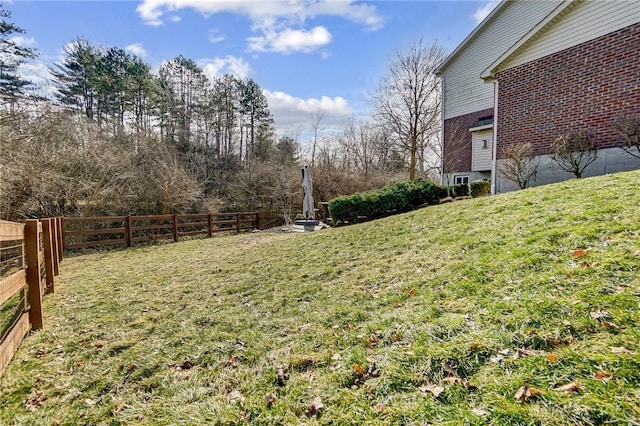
(89,232)
(30,254)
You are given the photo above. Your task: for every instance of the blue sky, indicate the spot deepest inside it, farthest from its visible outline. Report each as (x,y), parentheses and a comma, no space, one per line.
(309,56)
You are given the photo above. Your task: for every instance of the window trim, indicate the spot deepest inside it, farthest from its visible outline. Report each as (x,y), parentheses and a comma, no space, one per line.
(463,178)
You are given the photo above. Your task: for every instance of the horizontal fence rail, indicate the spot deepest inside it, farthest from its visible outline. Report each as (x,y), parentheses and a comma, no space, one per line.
(94,232)
(29,260)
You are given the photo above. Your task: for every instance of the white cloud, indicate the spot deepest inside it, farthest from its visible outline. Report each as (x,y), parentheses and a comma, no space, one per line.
(290,40)
(175,18)
(215,36)
(484,11)
(273,19)
(23,41)
(137,50)
(292,114)
(215,67)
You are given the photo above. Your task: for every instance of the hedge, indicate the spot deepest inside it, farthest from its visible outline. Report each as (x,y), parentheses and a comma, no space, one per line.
(396,197)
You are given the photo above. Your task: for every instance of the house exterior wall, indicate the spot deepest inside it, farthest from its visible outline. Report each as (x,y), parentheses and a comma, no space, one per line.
(464,91)
(583,87)
(481,155)
(457,143)
(583,21)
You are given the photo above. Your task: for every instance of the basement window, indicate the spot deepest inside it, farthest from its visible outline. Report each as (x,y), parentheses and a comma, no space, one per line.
(461,180)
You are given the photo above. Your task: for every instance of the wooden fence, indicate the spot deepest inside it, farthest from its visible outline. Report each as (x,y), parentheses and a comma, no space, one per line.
(30,254)
(90,232)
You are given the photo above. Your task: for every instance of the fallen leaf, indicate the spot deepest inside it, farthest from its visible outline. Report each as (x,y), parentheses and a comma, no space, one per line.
(358,369)
(609,324)
(449,370)
(434,390)
(566,323)
(525,393)
(89,402)
(453,380)
(504,351)
(380,407)
(270,399)
(315,407)
(34,400)
(397,305)
(132,367)
(187,364)
(496,359)
(479,412)
(236,397)
(619,350)
(599,314)
(579,253)
(553,357)
(373,370)
(41,352)
(602,375)
(413,292)
(569,387)
(304,327)
(281,376)
(336,357)
(99,345)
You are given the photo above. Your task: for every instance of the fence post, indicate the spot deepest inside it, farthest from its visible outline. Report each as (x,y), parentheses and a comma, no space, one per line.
(32,243)
(210,224)
(47,231)
(257,220)
(60,238)
(55,247)
(175,228)
(129,231)
(238,222)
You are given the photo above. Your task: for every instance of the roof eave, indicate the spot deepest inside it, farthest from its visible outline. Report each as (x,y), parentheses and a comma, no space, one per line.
(470,37)
(489,73)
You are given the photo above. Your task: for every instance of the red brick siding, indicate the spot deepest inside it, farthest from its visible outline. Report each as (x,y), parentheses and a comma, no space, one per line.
(457,141)
(583,87)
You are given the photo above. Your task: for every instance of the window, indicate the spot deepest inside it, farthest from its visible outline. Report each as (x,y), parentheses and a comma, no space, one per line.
(458,180)
(485,144)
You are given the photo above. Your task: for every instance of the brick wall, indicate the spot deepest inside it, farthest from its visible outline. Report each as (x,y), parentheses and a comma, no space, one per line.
(457,141)
(583,87)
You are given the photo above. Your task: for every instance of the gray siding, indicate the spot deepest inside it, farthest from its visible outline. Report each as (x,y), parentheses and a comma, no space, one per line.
(464,90)
(583,22)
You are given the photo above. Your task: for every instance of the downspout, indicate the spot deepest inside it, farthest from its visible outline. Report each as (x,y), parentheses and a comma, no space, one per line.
(494,163)
(442,130)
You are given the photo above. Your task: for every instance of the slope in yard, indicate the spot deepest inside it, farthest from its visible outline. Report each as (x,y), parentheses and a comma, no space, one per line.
(521,308)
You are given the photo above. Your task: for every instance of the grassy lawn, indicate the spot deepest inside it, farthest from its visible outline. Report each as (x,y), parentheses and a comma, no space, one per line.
(519,309)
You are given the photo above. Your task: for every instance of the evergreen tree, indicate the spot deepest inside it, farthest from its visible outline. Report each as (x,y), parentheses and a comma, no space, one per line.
(12,86)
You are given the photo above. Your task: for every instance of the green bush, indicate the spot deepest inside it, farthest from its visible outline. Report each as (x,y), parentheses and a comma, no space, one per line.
(396,197)
(480,188)
(461,190)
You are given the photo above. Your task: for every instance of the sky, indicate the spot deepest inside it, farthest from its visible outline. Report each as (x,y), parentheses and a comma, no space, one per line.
(310,57)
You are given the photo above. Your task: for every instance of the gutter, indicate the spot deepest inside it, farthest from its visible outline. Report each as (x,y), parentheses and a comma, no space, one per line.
(494,163)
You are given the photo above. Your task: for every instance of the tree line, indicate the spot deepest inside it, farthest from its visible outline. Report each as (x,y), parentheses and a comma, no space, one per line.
(118,138)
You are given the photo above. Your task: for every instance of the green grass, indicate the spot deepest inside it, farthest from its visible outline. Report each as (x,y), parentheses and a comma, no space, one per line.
(443,296)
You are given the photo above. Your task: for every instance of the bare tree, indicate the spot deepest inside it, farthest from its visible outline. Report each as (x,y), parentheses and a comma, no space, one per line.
(315,118)
(519,165)
(574,152)
(629,129)
(407,102)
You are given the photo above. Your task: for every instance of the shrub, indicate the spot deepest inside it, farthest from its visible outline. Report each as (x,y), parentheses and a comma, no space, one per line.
(461,190)
(519,165)
(480,188)
(574,152)
(396,197)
